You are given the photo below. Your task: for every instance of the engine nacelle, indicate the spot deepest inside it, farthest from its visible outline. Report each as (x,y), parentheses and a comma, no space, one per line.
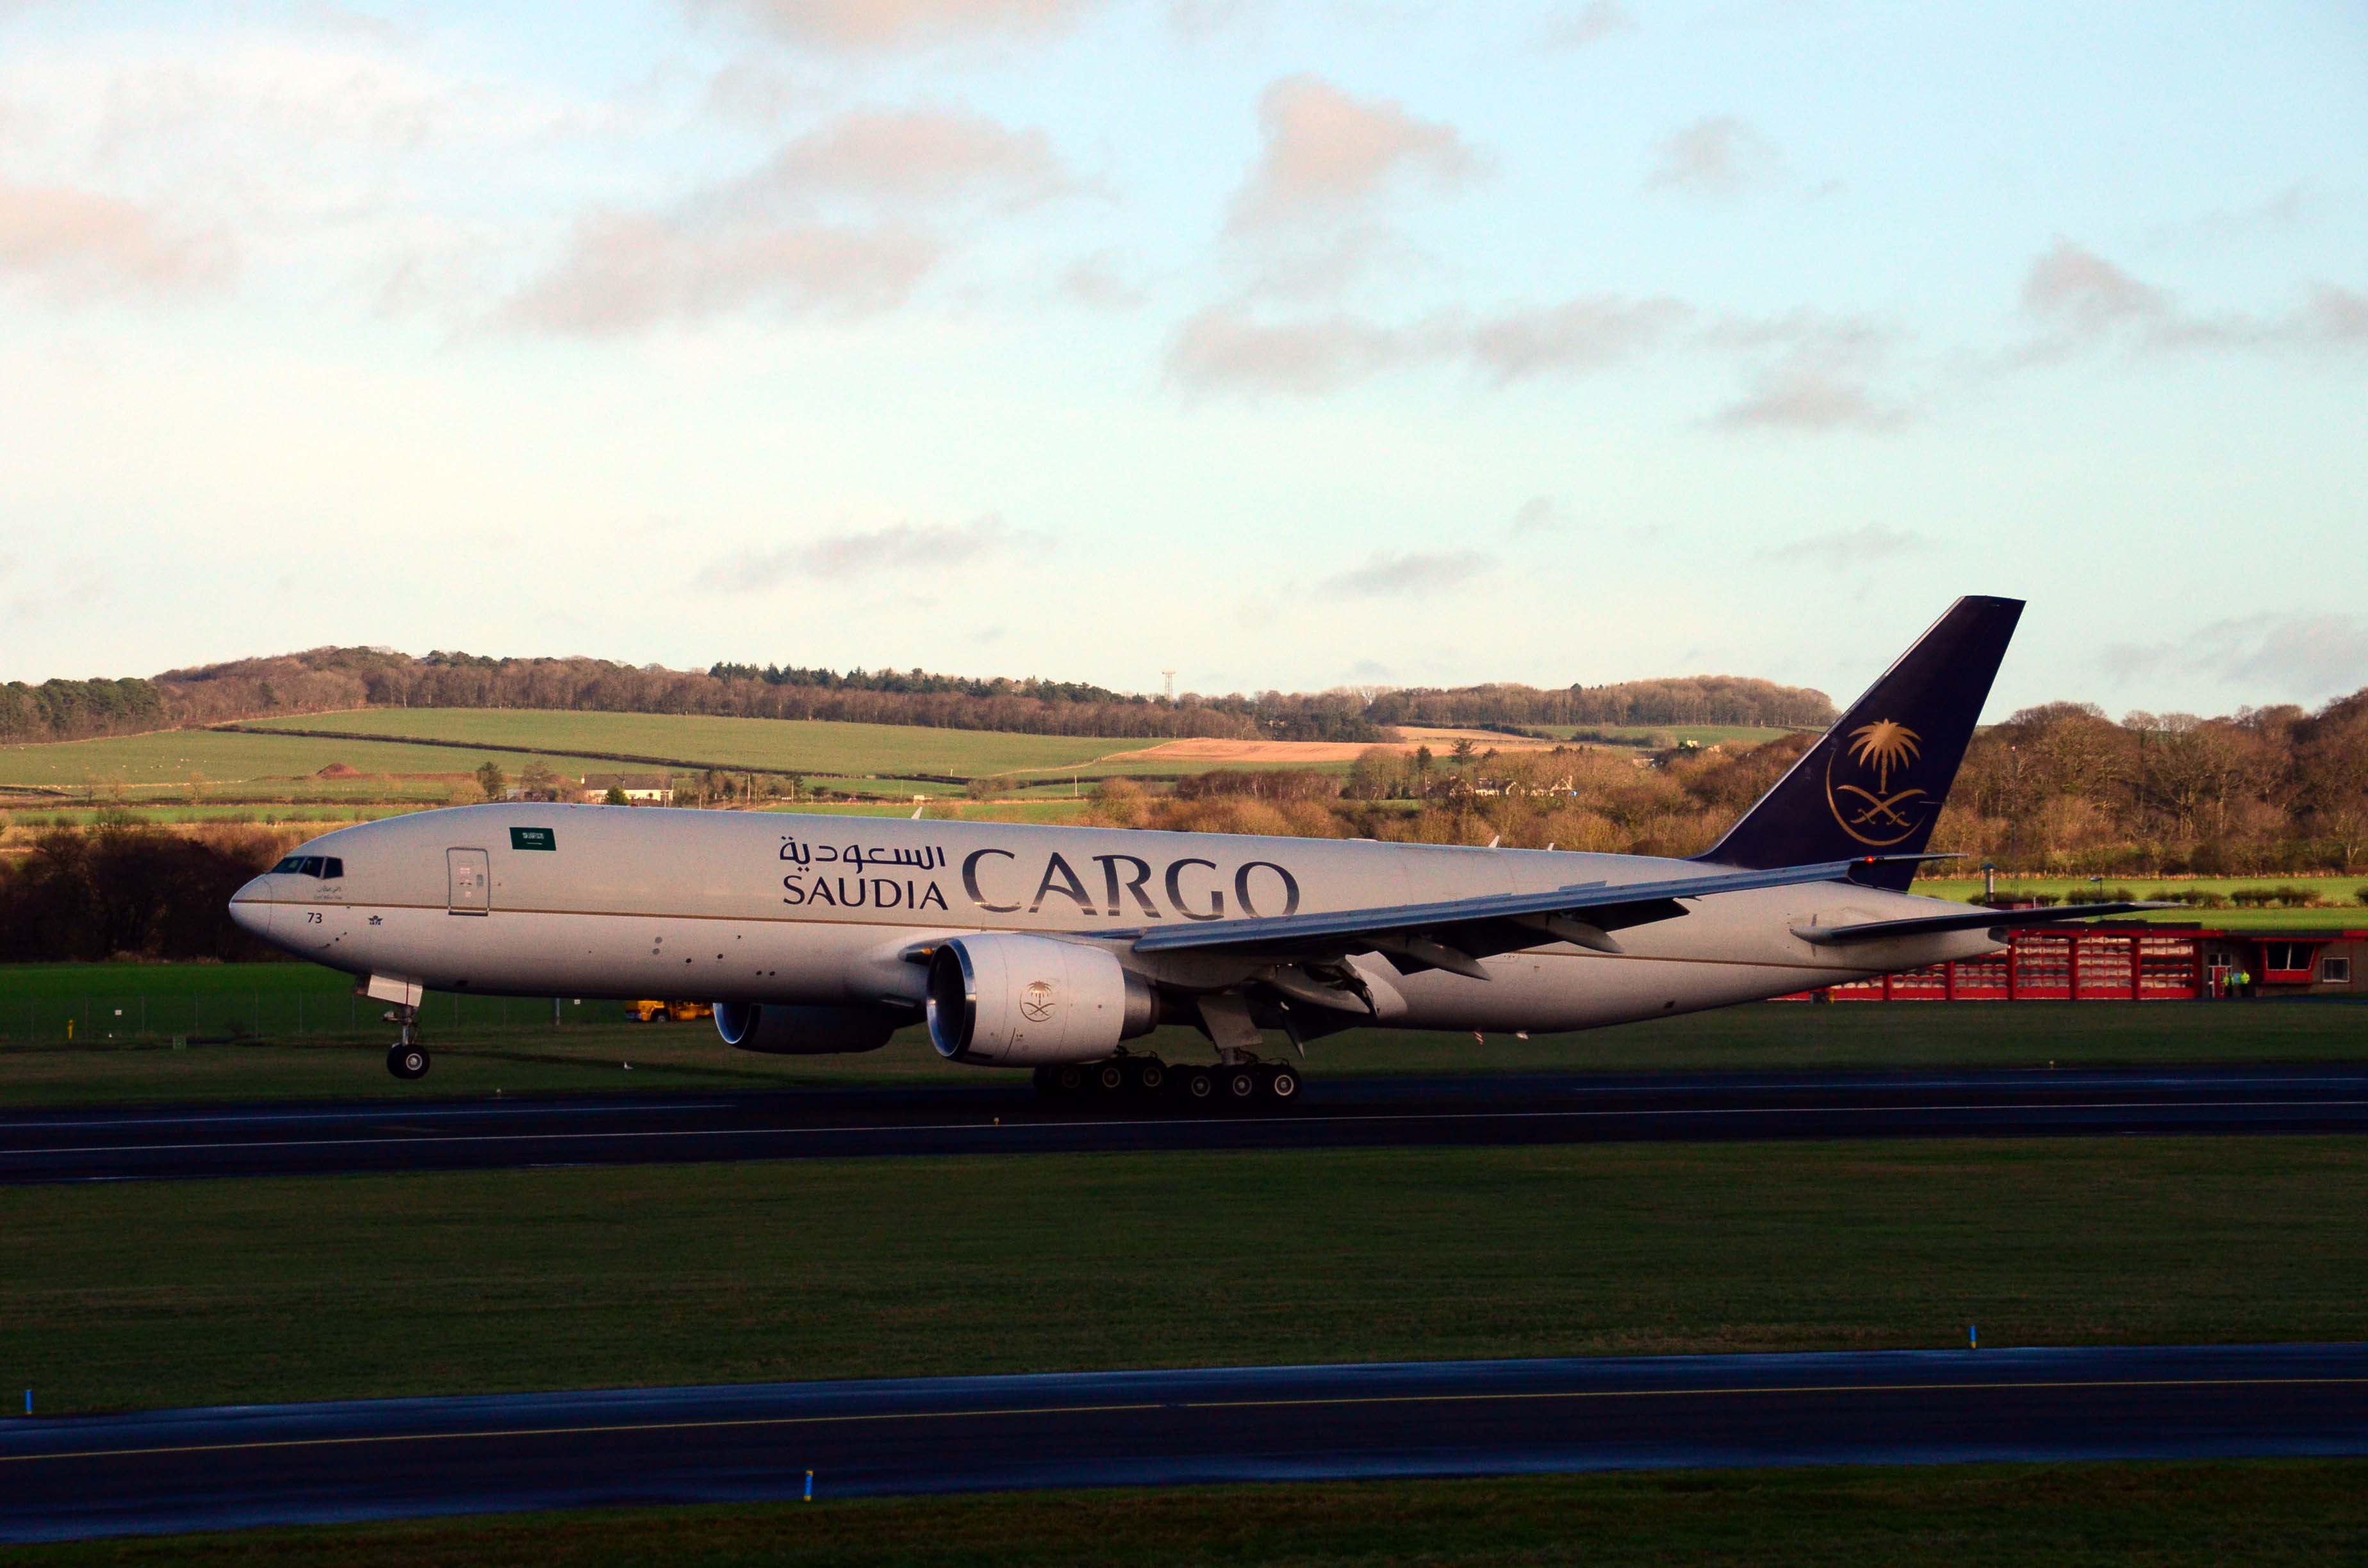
(1008,1001)
(777,1028)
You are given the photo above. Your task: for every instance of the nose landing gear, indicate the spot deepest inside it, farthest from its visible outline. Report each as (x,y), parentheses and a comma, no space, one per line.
(406,1058)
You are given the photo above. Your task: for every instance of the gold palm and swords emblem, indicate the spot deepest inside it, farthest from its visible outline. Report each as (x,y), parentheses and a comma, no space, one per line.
(1875,816)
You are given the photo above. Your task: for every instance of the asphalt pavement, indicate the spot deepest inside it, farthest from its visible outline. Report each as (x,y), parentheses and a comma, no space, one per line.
(433,1133)
(185,1469)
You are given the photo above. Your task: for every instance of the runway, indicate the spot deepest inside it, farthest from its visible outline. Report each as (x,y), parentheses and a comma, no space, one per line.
(1349,1112)
(186,1470)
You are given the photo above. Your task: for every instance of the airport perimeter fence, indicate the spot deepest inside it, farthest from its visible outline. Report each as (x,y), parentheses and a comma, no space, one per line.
(254,1017)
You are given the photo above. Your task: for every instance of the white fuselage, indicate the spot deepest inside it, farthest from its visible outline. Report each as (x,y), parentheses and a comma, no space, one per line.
(731,906)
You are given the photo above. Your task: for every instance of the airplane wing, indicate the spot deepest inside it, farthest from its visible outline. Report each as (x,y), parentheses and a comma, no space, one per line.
(1456,934)
(1972,920)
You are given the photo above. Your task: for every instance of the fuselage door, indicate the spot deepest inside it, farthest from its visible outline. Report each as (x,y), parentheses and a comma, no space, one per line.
(473,881)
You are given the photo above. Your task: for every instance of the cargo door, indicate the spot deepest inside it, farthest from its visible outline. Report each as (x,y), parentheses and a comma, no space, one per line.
(472,882)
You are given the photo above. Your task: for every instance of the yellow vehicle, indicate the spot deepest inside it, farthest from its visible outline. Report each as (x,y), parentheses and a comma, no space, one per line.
(659,1012)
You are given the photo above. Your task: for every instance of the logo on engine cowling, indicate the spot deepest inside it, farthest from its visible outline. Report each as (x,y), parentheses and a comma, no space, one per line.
(1036,1002)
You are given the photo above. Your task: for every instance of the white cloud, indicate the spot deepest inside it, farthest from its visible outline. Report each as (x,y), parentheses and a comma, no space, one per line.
(1539,515)
(2078,299)
(1327,153)
(1575,336)
(916,156)
(78,246)
(1848,547)
(2298,657)
(858,553)
(1716,156)
(1230,347)
(1388,575)
(623,272)
(838,222)
(1798,396)
(1590,24)
(1233,345)
(873,25)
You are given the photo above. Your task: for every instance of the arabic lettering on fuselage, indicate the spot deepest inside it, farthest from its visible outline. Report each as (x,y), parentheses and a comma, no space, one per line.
(1000,881)
(849,888)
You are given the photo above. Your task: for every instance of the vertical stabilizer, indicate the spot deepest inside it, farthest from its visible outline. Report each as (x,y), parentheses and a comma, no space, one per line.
(1875,782)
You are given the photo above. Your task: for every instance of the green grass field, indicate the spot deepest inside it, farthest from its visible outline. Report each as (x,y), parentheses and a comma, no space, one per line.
(34,818)
(2291,1511)
(295,1030)
(2339,894)
(223,763)
(310,1288)
(778,746)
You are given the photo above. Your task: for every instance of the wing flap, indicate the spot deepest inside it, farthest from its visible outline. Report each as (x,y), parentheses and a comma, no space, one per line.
(1972,920)
(1607,906)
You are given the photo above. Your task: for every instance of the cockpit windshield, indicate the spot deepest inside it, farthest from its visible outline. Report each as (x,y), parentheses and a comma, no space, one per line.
(327,868)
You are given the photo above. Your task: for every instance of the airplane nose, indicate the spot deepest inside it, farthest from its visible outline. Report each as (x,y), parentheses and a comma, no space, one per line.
(251,908)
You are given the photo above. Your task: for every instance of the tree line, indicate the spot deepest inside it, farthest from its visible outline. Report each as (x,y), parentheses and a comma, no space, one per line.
(2059,790)
(332,680)
(1694,699)
(79,709)
(123,889)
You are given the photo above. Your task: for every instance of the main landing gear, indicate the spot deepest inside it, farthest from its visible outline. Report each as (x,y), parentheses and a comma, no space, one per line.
(1247,1084)
(406,1058)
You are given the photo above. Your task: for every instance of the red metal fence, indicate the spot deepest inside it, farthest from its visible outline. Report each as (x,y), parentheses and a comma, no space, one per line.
(2042,965)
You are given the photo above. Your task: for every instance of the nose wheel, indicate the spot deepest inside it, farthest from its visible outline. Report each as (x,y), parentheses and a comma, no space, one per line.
(406,1058)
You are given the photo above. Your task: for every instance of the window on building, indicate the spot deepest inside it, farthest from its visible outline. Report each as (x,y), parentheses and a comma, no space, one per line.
(2287,960)
(2335,970)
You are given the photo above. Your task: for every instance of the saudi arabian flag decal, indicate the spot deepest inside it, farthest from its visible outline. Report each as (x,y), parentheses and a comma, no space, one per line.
(533,838)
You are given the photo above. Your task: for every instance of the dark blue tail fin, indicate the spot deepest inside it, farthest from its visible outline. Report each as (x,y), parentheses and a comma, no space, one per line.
(1875,782)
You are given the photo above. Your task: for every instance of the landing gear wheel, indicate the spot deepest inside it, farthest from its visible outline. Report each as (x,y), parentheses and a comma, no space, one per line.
(407,1061)
(1282,1085)
(1110,1077)
(1147,1076)
(1200,1085)
(1069,1080)
(1241,1084)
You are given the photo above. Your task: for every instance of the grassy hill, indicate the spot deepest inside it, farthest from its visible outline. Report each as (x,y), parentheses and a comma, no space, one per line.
(772,745)
(204,772)
(203,764)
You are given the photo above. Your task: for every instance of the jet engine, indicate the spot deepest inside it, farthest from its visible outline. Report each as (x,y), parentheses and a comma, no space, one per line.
(1010,1001)
(778,1029)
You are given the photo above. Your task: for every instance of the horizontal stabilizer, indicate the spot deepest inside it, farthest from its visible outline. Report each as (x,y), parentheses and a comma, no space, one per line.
(1972,920)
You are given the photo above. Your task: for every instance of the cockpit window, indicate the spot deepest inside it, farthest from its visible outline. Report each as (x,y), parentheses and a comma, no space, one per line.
(290,867)
(332,868)
(326,866)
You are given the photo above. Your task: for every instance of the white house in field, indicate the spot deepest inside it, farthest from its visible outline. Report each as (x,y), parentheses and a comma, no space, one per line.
(640,789)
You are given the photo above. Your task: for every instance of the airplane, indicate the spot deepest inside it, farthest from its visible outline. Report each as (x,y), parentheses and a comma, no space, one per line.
(1049,948)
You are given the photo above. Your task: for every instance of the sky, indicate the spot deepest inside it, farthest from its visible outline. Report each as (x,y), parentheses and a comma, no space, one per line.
(1341,342)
